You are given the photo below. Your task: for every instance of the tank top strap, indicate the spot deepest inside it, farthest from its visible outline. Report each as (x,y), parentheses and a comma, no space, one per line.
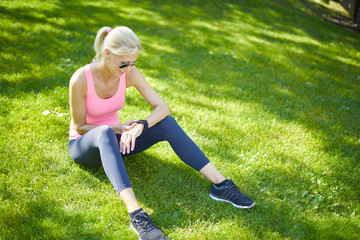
(89,80)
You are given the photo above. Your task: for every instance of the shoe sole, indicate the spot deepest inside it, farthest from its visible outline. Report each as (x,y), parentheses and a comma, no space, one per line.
(224,200)
(134,229)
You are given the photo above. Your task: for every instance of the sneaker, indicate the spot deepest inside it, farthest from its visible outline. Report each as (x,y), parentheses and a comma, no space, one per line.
(145,227)
(230,193)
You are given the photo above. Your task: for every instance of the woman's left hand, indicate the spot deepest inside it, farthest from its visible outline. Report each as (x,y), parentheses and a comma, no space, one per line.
(128,138)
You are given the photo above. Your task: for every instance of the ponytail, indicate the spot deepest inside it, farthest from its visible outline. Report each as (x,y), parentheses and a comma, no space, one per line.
(99,42)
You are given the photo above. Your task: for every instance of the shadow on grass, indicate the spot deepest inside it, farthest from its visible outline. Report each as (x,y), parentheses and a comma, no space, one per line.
(187,202)
(41,217)
(309,84)
(291,87)
(172,206)
(42,44)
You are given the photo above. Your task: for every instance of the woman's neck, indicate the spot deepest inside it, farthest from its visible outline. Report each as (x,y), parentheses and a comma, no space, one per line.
(102,72)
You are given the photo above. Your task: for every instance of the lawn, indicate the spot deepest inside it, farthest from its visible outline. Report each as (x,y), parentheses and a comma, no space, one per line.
(267,89)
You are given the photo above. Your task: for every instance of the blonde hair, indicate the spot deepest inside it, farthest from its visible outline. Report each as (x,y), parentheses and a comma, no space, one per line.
(120,41)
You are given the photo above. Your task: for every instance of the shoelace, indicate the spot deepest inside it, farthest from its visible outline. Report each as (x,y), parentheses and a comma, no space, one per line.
(144,221)
(232,187)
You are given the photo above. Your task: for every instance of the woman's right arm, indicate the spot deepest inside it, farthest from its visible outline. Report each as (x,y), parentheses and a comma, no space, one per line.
(77,95)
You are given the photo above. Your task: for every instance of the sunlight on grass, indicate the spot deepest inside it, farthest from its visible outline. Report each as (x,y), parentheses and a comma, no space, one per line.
(269,92)
(333,5)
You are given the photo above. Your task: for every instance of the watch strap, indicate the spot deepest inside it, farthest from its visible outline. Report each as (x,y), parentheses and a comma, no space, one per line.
(144,123)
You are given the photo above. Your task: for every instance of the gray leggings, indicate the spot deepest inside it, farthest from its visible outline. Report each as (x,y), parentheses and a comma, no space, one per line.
(101,145)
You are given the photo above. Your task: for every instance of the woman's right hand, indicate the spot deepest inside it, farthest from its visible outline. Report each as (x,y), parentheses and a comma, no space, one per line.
(128,138)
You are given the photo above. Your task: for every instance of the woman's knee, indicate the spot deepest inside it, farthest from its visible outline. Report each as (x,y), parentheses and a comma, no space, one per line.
(168,123)
(104,129)
(169,120)
(105,133)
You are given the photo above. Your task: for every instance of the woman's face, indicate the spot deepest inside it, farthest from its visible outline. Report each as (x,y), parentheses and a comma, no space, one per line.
(120,64)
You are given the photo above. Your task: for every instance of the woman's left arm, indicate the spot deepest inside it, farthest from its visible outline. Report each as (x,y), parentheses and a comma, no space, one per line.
(161,110)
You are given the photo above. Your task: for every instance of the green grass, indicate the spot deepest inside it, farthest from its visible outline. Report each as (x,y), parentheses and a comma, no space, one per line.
(268,90)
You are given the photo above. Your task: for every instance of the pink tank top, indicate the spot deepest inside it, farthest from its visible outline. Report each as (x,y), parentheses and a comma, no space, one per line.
(100,111)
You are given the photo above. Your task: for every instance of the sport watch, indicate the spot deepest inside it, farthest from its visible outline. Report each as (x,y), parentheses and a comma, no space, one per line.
(143,122)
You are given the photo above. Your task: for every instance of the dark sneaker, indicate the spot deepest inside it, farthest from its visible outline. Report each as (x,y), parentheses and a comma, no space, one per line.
(145,227)
(230,193)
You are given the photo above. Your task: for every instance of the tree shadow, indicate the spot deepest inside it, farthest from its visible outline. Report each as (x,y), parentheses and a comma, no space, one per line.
(308,103)
(43,217)
(180,205)
(291,87)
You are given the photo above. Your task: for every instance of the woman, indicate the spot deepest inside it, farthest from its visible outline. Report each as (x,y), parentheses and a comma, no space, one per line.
(97,93)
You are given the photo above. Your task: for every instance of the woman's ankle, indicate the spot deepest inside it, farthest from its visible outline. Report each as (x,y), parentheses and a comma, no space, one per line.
(132,214)
(128,197)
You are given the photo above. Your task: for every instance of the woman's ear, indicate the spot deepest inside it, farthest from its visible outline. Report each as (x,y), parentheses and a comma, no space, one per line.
(107,52)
